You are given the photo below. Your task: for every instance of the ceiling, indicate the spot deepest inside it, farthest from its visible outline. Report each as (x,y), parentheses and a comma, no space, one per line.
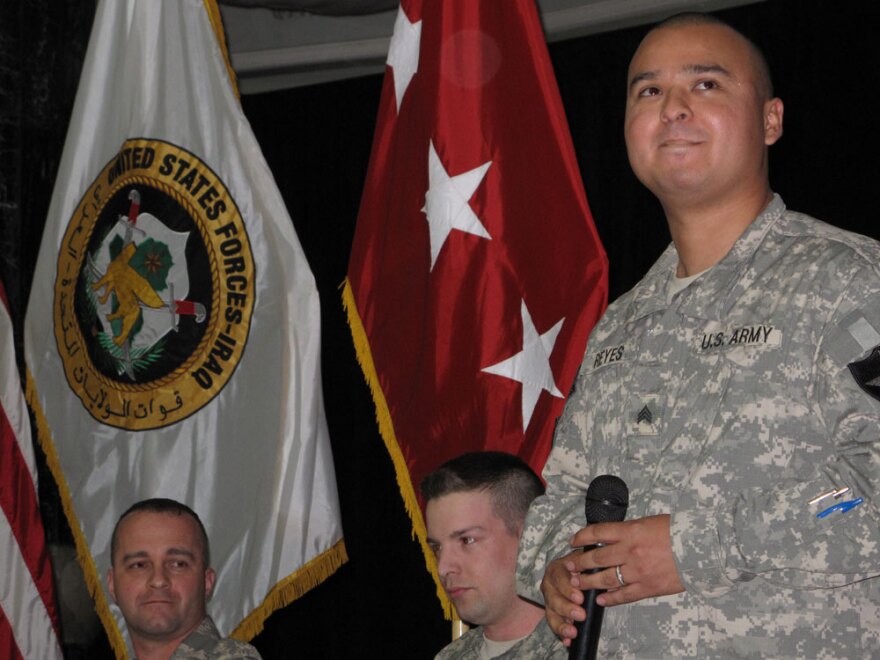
(276,44)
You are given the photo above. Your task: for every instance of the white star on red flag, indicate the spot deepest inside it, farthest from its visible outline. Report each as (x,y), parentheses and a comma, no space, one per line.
(480,144)
(446,202)
(403,53)
(531,366)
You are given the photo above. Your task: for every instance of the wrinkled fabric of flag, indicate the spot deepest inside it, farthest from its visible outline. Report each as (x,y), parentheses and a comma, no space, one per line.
(173,331)
(476,272)
(28,612)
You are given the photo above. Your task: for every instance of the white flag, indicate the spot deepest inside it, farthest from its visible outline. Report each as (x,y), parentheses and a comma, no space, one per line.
(173,331)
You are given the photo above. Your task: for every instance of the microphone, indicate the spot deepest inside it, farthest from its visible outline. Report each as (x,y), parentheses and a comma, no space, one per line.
(607,499)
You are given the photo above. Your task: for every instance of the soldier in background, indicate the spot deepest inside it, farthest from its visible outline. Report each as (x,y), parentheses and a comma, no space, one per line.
(734,389)
(475,507)
(161,579)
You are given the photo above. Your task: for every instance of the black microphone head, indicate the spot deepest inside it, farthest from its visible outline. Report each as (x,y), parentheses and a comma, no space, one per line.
(607,499)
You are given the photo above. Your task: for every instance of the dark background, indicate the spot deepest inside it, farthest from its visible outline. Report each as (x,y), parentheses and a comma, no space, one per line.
(317,142)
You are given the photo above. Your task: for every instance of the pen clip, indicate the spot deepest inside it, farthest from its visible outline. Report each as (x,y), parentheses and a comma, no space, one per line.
(836,493)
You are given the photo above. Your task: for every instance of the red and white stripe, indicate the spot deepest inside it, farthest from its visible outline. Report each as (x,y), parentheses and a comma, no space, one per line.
(28,617)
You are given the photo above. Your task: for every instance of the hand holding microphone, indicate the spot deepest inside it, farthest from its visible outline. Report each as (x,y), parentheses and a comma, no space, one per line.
(641,547)
(607,500)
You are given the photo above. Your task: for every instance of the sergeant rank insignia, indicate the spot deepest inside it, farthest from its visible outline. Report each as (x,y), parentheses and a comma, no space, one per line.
(155,288)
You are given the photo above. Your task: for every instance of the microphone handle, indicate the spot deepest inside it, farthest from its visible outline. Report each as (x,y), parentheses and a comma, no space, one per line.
(586,644)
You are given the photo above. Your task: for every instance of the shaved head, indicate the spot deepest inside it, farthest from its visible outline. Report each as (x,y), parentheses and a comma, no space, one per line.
(762,77)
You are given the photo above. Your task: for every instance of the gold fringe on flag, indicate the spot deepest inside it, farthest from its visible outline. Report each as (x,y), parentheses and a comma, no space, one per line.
(386,430)
(83,554)
(292,587)
(285,592)
(324,565)
(217,23)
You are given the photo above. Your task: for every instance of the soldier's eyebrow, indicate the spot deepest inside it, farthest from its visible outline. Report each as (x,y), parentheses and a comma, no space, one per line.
(642,77)
(467,530)
(688,68)
(708,68)
(173,552)
(134,555)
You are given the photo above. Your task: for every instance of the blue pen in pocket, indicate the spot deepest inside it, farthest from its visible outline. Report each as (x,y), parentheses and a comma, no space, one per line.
(843,507)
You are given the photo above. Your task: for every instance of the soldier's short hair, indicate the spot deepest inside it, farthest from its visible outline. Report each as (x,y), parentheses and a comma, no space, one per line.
(162,505)
(510,482)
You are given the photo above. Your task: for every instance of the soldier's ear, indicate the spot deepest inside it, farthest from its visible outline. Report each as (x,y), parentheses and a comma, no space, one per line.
(110,586)
(210,578)
(773,111)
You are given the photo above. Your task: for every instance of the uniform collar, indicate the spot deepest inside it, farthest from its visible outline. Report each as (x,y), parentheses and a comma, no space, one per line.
(712,294)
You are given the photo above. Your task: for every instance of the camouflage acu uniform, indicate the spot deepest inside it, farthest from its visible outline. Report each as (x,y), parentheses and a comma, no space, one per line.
(542,644)
(205,643)
(731,407)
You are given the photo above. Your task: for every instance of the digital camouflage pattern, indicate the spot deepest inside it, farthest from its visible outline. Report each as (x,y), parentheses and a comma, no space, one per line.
(205,643)
(731,407)
(541,644)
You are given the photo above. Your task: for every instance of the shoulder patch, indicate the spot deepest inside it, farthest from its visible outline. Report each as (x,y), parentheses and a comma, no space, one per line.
(867,373)
(855,334)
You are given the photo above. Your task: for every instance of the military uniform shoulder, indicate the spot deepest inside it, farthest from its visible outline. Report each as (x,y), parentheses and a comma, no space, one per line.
(542,644)
(222,649)
(205,643)
(862,248)
(232,649)
(466,647)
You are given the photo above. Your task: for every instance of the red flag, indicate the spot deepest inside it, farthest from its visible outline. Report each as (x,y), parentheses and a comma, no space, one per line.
(476,272)
(28,618)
